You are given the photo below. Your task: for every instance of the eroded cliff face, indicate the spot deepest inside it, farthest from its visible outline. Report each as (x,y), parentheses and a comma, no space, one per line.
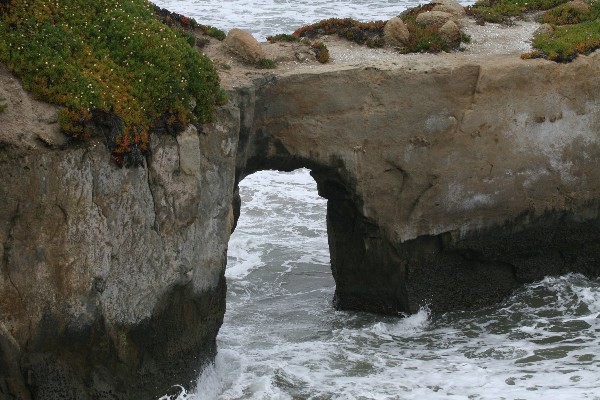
(450,181)
(111,280)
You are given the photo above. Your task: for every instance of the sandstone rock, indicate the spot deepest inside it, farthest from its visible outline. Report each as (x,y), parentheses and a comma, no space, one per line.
(112,268)
(579,5)
(468,116)
(189,151)
(52,138)
(244,46)
(544,29)
(450,6)
(395,32)
(450,33)
(433,18)
(304,55)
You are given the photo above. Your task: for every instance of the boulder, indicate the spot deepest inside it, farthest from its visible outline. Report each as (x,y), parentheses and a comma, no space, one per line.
(545,29)
(244,46)
(450,33)
(579,5)
(395,32)
(450,6)
(433,18)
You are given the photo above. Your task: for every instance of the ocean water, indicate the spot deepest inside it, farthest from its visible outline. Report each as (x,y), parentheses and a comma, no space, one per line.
(268,17)
(283,340)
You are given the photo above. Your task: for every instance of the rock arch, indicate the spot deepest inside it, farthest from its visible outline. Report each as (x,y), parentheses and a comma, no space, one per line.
(441,181)
(449,181)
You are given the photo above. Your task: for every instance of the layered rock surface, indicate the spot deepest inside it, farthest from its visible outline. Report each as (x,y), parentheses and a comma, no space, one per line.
(450,181)
(111,280)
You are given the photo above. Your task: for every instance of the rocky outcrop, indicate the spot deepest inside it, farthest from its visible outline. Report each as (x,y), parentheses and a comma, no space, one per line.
(244,45)
(450,33)
(111,279)
(449,6)
(434,18)
(395,32)
(450,181)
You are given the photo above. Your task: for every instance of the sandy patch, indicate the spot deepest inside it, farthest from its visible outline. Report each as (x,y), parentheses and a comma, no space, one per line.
(487,40)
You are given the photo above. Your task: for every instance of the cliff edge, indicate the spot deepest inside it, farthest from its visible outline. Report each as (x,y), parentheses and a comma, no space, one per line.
(451,179)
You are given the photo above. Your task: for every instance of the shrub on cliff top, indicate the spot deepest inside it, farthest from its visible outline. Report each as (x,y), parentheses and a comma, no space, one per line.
(568,41)
(108,61)
(424,39)
(369,33)
(500,10)
(576,31)
(570,14)
(282,37)
(186,23)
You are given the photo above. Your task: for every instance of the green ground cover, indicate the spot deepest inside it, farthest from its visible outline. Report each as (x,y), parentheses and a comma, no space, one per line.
(576,25)
(111,63)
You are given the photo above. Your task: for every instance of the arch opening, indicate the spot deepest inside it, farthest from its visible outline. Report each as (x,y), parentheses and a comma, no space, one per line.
(279,246)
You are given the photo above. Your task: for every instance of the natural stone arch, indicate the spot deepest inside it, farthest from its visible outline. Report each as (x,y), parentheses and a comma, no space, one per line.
(416,166)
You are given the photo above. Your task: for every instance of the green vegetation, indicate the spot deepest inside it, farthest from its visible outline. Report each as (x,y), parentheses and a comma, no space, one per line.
(567,42)
(266,63)
(424,39)
(283,37)
(498,11)
(113,66)
(576,24)
(570,14)
(321,51)
(213,32)
(369,33)
(576,31)
(182,22)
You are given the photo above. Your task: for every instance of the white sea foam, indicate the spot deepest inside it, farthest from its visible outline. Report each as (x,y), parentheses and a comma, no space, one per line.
(409,325)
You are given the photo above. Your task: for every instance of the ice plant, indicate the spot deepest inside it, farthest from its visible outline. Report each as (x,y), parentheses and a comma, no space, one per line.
(112,65)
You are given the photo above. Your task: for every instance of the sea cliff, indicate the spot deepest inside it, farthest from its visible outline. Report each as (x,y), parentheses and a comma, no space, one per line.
(450,180)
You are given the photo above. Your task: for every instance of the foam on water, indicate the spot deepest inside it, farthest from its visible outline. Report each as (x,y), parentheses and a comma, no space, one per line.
(282,339)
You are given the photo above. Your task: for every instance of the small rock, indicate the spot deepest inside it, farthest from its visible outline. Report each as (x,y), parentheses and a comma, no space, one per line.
(450,33)
(545,29)
(450,6)
(53,138)
(433,18)
(579,5)
(244,45)
(395,32)
(304,55)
